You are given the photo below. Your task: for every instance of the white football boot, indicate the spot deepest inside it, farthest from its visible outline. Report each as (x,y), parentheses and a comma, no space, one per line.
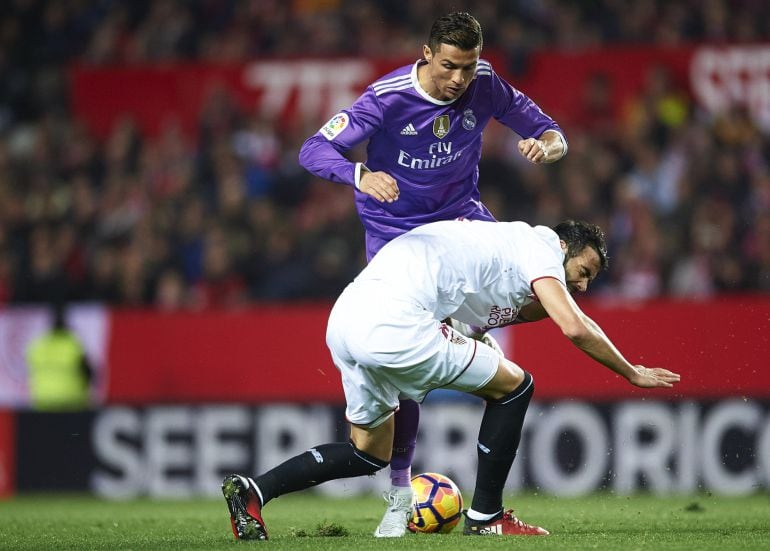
(398,513)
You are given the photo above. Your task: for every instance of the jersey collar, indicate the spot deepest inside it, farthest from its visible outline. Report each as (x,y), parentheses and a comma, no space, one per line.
(422,92)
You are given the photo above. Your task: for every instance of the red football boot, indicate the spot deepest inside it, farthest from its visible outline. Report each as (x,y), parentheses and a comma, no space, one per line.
(245,508)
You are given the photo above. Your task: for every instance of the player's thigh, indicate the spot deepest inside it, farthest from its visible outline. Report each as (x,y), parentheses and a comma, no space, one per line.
(368,333)
(370,398)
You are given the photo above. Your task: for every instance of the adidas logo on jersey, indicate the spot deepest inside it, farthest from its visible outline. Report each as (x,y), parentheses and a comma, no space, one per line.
(409,130)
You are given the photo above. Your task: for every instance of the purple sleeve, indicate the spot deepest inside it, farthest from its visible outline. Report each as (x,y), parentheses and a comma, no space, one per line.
(518,112)
(321,154)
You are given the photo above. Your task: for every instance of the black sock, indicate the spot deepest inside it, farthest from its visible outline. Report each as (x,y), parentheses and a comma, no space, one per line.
(499,438)
(317,465)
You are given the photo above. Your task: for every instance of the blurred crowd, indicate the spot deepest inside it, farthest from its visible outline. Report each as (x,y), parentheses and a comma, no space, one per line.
(229,217)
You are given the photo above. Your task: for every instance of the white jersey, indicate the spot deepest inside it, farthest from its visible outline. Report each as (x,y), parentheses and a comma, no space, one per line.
(385,332)
(477,272)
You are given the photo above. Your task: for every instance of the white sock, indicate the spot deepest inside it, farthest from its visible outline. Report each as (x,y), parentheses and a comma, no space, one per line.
(256,489)
(475,515)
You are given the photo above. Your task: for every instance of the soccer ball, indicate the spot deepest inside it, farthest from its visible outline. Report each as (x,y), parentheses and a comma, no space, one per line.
(438,504)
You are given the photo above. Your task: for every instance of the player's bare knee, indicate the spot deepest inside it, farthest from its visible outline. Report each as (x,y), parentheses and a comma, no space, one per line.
(514,375)
(507,378)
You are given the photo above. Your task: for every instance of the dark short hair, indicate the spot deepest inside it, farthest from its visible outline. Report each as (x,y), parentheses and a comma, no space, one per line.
(458,29)
(579,235)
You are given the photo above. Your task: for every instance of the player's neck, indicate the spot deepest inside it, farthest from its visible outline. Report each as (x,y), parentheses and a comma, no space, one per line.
(425,82)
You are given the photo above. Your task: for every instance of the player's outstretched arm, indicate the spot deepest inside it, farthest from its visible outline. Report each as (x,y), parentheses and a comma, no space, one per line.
(589,337)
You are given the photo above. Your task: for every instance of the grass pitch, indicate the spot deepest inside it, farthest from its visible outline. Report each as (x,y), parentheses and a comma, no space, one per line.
(296,522)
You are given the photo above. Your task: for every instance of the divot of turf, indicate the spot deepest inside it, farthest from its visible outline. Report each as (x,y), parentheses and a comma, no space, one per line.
(323,529)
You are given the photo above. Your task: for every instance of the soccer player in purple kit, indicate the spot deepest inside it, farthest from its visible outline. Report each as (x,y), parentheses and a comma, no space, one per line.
(424,125)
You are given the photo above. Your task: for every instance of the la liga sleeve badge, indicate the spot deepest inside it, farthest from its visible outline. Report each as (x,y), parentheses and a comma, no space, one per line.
(336,124)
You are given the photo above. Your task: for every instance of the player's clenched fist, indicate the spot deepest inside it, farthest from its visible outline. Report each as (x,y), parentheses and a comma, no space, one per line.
(380,185)
(535,151)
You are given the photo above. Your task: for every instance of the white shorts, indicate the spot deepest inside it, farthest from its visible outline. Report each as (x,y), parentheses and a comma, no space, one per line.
(387,348)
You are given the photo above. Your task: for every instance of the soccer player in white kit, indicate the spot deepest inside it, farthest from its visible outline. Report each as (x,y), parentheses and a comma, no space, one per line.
(387,338)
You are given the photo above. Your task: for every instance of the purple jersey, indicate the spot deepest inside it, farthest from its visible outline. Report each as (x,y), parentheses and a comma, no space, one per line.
(431,147)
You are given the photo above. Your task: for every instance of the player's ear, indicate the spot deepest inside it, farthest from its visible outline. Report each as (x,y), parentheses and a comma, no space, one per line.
(426,53)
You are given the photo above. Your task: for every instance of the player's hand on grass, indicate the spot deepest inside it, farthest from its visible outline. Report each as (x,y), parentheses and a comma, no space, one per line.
(380,185)
(535,151)
(655,377)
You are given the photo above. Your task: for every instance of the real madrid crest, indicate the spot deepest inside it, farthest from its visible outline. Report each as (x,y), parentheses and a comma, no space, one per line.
(469,119)
(441,126)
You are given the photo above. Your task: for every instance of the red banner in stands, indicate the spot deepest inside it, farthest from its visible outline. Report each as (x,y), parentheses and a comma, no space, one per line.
(156,97)
(311,90)
(268,353)
(314,89)
(278,353)
(720,347)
